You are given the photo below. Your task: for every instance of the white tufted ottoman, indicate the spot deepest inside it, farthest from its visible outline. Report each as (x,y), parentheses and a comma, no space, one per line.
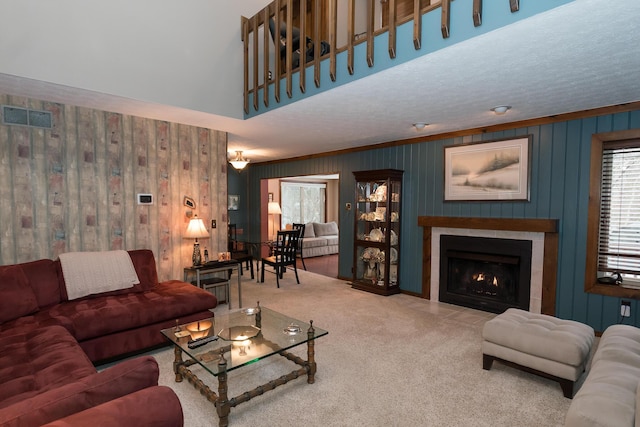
(544,345)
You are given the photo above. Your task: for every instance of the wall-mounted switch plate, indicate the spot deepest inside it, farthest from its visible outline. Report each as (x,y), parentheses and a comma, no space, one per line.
(144,199)
(213,223)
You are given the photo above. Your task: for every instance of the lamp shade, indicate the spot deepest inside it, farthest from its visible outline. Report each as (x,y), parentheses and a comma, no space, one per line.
(196,229)
(274,208)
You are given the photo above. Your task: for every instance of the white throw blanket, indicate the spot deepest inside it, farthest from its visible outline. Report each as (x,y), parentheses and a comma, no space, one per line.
(87,273)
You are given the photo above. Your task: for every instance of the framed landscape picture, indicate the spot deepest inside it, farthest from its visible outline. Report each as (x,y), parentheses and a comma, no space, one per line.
(497,170)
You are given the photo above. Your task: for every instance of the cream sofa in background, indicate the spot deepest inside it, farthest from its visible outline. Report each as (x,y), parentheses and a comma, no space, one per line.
(609,395)
(320,239)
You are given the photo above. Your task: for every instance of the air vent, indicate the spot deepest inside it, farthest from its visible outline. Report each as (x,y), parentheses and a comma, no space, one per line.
(26,117)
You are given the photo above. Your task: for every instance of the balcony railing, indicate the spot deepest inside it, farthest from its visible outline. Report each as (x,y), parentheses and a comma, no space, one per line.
(292,35)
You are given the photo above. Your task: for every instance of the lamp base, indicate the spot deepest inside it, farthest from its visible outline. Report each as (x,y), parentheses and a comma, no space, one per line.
(196,258)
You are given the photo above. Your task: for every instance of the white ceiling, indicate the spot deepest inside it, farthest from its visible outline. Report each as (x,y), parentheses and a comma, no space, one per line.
(583,55)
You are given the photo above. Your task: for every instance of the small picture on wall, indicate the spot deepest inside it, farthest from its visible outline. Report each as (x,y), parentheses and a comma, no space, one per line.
(234,201)
(270,197)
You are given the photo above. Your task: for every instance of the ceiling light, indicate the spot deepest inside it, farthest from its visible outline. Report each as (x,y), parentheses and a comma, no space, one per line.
(420,125)
(239,162)
(501,109)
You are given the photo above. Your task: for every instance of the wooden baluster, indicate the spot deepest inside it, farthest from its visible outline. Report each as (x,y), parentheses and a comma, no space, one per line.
(265,77)
(370,24)
(256,55)
(289,66)
(477,13)
(333,30)
(245,40)
(417,25)
(446,18)
(278,48)
(350,35)
(392,28)
(316,39)
(303,45)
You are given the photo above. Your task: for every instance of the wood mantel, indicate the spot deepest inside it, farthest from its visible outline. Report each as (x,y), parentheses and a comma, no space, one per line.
(547,226)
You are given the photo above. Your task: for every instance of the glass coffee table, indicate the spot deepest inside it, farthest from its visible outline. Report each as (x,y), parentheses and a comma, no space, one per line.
(244,337)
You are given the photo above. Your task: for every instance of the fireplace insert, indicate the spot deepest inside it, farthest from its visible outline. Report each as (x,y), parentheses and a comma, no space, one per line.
(489,274)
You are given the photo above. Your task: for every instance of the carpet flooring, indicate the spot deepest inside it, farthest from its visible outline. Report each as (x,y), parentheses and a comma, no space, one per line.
(387,361)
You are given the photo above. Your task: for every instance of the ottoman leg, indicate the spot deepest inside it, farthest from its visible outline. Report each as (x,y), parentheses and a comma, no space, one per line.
(487,362)
(567,387)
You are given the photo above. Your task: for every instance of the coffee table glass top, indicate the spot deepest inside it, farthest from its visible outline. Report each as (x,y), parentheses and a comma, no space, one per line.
(243,339)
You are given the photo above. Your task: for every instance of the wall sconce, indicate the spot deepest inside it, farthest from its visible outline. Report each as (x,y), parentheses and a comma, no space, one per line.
(239,162)
(196,230)
(501,109)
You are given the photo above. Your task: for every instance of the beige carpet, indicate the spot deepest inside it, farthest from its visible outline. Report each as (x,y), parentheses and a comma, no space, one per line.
(387,361)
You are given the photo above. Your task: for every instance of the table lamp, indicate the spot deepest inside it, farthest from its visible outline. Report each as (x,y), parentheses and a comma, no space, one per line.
(273,208)
(196,230)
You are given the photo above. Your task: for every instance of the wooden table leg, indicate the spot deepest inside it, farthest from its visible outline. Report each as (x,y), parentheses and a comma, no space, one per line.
(222,403)
(177,362)
(311,376)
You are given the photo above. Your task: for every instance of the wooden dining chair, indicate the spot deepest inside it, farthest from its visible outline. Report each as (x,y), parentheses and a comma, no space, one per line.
(284,254)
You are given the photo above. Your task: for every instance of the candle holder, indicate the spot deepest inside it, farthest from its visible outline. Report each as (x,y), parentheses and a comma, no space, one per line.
(199,329)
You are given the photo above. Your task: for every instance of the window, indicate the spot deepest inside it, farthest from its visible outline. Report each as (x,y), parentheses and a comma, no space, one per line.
(613,239)
(303,202)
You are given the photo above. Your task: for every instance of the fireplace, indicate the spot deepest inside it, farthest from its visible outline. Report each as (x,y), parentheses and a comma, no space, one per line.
(490,274)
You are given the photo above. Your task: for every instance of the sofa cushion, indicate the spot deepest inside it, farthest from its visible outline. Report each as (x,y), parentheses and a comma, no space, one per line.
(43,278)
(37,361)
(125,377)
(314,242)
(93,317)
(332,240)
(131,410)
(308,230)
(325,229)
(17,299)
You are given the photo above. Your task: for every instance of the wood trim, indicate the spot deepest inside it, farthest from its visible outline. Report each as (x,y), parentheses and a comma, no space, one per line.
(547,226)
(591,284)
(621,108)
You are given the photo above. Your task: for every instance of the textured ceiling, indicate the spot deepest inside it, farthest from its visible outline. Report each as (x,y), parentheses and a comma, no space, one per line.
(583,55)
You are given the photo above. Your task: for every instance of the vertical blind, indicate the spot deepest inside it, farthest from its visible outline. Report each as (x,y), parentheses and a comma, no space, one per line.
(619,238)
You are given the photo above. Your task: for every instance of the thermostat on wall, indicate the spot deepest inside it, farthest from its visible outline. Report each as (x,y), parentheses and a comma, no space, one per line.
(145,199)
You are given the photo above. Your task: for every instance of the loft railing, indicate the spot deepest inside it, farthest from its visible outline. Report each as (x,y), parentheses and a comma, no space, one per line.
(292,35)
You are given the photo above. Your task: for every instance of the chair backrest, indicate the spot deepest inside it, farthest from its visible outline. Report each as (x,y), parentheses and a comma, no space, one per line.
(300,228)
(231,237)
(287,245)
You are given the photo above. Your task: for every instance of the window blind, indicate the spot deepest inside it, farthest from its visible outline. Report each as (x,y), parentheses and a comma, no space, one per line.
(619,237)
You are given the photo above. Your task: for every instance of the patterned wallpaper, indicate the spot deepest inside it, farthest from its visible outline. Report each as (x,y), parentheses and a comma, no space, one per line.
(73,187)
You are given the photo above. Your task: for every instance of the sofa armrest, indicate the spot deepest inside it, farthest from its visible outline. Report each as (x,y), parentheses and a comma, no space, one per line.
(119,380)
(152,407)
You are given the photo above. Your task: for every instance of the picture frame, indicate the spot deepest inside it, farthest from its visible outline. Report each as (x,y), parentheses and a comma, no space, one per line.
(488,171)
(234,201)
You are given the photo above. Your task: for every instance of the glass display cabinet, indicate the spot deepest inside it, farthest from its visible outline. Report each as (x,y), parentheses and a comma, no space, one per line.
(376,249)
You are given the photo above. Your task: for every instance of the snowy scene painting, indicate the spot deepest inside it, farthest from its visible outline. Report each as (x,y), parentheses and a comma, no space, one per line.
(487,171)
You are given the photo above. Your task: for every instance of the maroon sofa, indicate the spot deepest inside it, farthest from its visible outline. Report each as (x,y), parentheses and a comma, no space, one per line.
(48,347)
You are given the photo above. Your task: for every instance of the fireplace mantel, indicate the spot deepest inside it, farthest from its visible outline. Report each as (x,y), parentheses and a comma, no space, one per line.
(547,226)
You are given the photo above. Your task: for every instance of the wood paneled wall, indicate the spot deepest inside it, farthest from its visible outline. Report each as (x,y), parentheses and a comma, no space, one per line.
(74,187)
(559,189)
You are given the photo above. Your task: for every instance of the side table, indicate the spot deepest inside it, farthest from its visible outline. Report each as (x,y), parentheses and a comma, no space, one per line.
(215,267)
